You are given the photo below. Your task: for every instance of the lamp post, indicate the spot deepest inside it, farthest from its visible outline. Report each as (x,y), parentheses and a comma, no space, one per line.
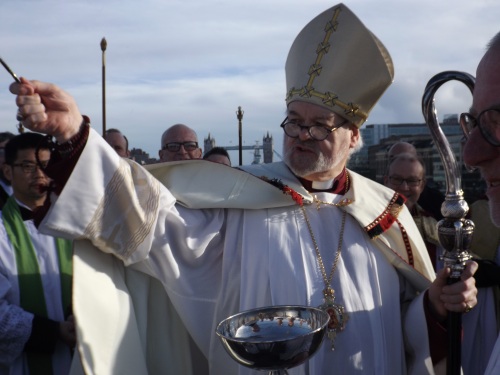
(239,116)
(104,44)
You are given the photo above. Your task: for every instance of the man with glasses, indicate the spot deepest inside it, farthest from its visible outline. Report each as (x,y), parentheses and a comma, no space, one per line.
(481,127)
(179,142)
(5,188)
(37,333)
(406,175)
(431,198)
(305,231)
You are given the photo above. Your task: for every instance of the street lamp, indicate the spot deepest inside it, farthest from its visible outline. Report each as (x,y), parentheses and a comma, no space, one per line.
(239,116)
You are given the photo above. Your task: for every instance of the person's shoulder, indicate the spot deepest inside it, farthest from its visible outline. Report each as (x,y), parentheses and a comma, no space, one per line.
(424,213)
(368,183)
(432,192)
(479,203)
(479,208)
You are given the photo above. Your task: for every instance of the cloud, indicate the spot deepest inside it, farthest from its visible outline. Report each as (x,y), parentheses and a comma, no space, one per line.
(197,61)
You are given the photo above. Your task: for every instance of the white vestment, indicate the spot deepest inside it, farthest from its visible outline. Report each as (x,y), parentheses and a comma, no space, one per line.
(16,323)
(255,251)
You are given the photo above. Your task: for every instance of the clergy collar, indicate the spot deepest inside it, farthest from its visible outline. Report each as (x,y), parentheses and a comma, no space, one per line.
(339,185)
(26,213)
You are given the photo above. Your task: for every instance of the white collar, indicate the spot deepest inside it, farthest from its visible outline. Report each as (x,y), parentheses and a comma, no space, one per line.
(322,185)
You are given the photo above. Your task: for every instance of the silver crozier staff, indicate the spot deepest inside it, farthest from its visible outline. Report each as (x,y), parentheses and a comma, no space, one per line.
(455,232)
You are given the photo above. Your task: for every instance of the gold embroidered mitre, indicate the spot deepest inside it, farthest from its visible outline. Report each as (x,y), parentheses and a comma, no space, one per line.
(337,63)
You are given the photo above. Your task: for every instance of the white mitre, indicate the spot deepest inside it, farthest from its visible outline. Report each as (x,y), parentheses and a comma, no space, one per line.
(337,63)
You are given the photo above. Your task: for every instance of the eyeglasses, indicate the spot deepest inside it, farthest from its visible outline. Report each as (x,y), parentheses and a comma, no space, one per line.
(317,132)
(488,122)
(29,167)
(398,181)
(176,146)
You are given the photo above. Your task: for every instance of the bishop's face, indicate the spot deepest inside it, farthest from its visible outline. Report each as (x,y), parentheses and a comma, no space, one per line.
(312,159)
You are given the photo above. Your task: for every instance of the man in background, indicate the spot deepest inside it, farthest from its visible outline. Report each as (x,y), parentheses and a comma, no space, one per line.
(179,142)
(406,175)
(37,331)
(430,199)
(218,155)
(118,141)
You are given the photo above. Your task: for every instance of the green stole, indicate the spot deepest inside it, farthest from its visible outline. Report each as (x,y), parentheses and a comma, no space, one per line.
(31,293)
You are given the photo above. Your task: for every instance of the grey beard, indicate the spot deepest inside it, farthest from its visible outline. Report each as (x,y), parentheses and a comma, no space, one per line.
(322,163)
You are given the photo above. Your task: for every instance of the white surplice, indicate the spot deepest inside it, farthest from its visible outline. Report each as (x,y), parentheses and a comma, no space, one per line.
(215,262)
(15,323)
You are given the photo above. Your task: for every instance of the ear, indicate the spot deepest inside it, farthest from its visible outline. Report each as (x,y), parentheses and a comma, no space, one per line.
(7,172)
(199,153)
(354,136)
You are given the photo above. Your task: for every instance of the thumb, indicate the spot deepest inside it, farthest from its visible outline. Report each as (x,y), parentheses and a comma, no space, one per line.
(442,276)
(24,87)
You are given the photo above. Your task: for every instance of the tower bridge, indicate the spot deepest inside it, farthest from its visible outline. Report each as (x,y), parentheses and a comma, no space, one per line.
(267,148)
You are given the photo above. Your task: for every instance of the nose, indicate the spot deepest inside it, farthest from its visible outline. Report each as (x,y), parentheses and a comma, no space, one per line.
(182,150)
(38,170)
(304,133)
(477,150)
(404,186)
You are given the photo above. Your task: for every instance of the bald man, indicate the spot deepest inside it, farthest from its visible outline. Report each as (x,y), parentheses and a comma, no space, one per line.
(401,148)
(179,142)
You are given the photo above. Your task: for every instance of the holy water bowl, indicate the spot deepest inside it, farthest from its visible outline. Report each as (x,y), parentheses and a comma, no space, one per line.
(273,338)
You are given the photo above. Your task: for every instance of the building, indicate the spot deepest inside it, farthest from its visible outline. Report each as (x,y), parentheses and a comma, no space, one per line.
(141,156)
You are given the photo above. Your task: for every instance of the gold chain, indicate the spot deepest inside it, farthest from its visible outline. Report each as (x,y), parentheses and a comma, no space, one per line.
(344,202)
(328,291)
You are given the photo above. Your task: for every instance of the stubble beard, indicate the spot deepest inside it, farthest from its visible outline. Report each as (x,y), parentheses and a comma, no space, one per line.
(303,166)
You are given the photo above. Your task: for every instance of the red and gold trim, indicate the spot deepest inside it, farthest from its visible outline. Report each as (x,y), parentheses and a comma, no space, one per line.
(385,220)
(409,251)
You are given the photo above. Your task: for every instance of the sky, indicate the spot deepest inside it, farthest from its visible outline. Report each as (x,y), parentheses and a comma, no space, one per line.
(196,61)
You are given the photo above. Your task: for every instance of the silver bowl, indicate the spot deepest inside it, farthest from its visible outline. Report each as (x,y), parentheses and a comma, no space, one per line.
(273,338)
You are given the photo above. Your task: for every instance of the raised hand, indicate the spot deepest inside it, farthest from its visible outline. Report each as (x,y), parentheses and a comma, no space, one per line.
(46,108)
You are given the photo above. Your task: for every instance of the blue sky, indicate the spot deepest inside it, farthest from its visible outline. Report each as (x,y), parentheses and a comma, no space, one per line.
(196,61)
